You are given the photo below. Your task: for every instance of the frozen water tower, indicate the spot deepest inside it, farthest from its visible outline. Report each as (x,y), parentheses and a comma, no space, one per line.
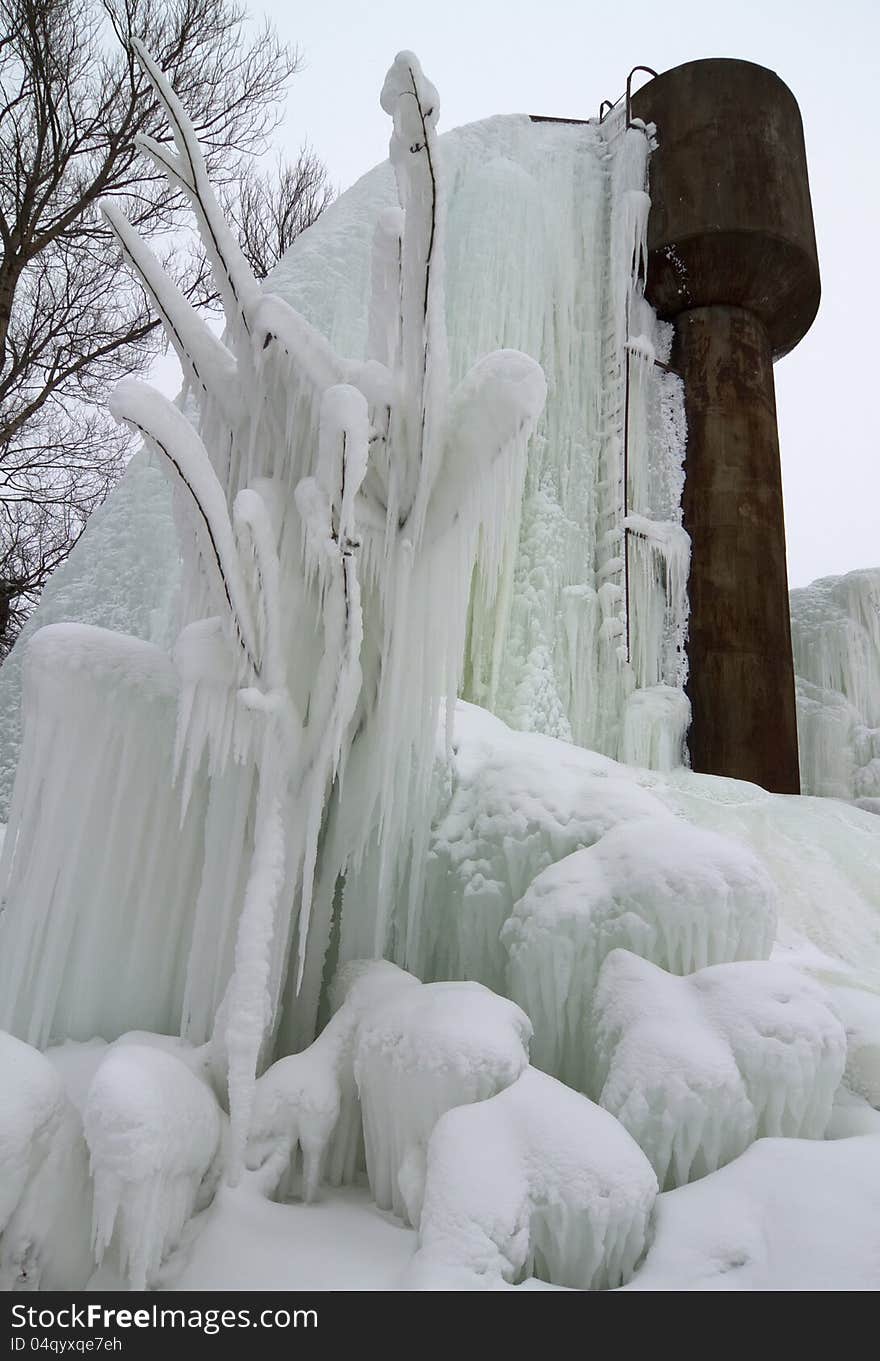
(732,262)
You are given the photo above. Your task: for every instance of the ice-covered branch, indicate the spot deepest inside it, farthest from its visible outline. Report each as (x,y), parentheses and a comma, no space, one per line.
(413,103)
(251,520)
(185,457)
(203,357)
(236,284)
(342,462)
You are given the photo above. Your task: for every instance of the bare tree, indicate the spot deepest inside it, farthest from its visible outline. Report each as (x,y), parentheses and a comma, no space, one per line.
(73,320)
(270,209)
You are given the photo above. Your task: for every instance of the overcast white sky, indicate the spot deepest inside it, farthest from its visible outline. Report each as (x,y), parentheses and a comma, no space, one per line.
(563,57)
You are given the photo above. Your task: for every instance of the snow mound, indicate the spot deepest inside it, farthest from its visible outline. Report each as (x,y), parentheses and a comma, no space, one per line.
(536,1180)
(787,1215)
(419,1054)
(43,1175)
(672,893)
(153,1131)
(698,1068)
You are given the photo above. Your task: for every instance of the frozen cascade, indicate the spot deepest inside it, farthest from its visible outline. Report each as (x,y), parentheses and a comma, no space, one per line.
(516,190)
(331,527)
(697,1068)
(835,634)
(64,935)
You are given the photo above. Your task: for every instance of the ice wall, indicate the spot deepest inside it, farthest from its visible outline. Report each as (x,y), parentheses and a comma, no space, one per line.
(551,654)
(835,633)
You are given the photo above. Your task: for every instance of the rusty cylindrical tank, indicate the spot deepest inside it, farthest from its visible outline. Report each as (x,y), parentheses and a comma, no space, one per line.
(732,262)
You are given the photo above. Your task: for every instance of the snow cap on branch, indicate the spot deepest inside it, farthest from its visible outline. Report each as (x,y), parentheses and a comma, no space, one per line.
(406,77)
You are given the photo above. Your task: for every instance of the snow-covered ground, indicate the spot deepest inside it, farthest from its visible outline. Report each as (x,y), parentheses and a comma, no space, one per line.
(696,1065)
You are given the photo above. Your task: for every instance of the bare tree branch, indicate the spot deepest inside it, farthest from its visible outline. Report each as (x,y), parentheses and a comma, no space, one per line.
(73,320)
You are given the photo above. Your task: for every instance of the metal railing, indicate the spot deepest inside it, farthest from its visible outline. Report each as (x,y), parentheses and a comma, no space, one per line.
(608,106)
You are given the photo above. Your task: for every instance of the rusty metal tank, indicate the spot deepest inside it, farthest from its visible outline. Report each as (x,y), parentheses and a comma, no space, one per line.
(732,262)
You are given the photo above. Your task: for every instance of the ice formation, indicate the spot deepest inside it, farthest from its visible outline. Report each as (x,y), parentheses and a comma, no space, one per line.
(392,1059)
(418,1055)
(44,1193)
(381,501)
(122,574)
(510,804)
(310,1099)
(675,894)
(835,634)
(333,514)
(61,941)
(153,1131)
(697,1068)
(537,1180)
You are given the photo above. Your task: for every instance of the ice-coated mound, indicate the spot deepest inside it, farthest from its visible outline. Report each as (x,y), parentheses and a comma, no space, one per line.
(393,1057)
(310,1099)
(153,1130)
(670,892)
(43,1176)
(417,1055)
(33,1099)
(518,802)
(296,1104)
(537,1180)
(698,1068)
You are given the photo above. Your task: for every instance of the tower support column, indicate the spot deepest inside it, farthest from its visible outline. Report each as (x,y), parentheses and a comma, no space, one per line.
(732,263)
(741,682)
